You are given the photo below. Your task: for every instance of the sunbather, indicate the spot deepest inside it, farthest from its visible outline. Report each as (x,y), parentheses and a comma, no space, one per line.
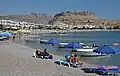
(45,53)
(73,58)
(42,52)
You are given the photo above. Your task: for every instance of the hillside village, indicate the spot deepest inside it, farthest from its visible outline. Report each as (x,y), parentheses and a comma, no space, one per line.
(63,20)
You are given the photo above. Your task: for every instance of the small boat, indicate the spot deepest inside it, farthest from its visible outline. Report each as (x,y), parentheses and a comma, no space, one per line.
(43,41)
(63,44)
(116,44)
(87,52)
(58,32)
(31,39)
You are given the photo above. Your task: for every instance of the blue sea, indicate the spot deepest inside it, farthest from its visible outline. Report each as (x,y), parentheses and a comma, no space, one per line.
(91,37)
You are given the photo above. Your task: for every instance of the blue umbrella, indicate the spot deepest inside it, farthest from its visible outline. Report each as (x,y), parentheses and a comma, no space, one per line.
(6,32)
(74,45)
(106,49)
(8,35)
(1,34)
(52,41)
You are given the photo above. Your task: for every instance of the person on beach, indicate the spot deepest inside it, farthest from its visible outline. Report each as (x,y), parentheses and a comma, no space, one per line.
(42,52)
(37,52)
(14,37)
(45,53)
(73,58)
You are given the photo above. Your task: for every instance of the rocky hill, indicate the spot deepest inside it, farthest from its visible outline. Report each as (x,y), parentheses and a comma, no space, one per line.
(81,18)
(68,17)
(32,17)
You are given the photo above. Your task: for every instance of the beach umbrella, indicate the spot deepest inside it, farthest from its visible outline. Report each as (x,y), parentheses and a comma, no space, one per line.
(6,32)
(8,35)
(52,41)
(106,49)
(74,45)
(1,34)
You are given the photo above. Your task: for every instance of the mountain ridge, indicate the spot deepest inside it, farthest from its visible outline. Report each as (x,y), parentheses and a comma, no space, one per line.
(31,17)
(67,17)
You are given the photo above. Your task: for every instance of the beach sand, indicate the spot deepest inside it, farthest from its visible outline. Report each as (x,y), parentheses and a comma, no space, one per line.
(17,60)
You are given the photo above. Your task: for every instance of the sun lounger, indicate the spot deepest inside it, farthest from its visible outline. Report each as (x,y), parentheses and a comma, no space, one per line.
(89,70)
(102,70)
(107,71)
(66,63)
(42,56)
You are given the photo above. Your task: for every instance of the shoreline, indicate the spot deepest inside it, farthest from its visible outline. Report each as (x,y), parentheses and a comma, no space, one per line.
(68,31)
(56,57)
(53,31)
(59,57)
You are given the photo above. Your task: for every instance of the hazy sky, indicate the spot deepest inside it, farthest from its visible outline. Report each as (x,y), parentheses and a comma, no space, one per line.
(109,9)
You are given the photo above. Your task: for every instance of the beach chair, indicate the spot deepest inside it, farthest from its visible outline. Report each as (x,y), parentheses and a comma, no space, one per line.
(66,63)
(102,70)
(42,56)
(89,70)
(107,71)
(47,57)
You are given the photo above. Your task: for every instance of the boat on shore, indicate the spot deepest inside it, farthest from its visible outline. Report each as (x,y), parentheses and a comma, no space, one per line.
(43,41)
(87,52)
(31,40)
(63,44)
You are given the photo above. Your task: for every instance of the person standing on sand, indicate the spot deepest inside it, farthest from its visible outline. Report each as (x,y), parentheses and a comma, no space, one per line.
(13,37)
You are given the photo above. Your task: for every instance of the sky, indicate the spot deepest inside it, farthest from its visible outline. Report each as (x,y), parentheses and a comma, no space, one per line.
(108,9)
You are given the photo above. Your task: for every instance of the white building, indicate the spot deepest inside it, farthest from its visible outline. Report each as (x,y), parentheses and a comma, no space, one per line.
(15,23)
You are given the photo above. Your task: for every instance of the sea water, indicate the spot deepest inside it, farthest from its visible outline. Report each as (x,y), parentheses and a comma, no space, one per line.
(91,37)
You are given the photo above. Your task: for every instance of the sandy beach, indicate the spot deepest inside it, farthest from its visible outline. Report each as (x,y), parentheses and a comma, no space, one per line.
(17,60)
